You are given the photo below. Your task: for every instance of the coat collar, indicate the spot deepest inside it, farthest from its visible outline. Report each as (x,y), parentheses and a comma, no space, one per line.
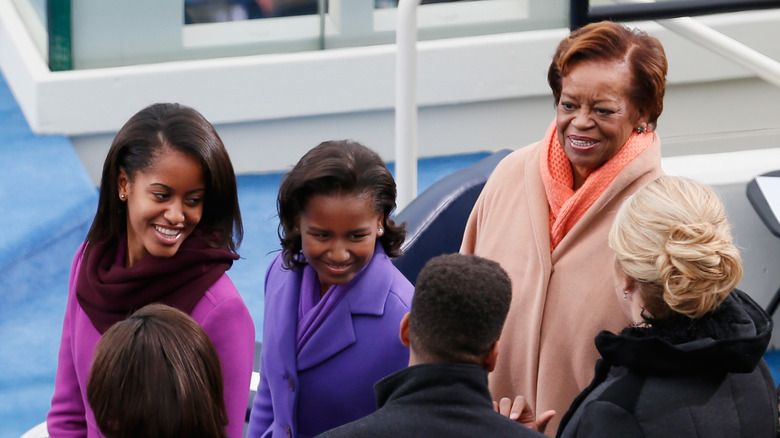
(644,168)
(436,384)
(367,295)
(732,338)
(539,208)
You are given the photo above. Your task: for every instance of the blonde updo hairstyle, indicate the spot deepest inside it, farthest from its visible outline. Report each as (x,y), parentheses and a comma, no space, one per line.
(672,237)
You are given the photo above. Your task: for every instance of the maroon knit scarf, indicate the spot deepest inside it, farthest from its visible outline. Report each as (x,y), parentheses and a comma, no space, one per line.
(108,292)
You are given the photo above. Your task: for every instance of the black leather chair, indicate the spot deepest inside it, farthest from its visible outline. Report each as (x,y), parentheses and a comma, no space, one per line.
(435,220)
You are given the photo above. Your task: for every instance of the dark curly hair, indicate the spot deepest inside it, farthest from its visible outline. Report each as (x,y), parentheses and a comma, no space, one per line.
(336,167)
(458,310)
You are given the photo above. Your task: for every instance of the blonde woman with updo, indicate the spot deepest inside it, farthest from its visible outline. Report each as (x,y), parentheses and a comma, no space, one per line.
(690,365)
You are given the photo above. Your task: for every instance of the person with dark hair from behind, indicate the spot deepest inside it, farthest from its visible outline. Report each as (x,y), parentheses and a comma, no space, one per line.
(157,374)
(458,310)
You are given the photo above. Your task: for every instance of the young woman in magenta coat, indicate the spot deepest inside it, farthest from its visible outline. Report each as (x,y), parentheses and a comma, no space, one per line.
(166,230)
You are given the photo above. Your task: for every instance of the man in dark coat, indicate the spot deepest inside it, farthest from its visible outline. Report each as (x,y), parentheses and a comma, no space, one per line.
(458,311)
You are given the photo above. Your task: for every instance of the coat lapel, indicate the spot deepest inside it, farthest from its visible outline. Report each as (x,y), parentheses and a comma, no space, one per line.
(367,295)
(335,334)
(282,288)
(539,211)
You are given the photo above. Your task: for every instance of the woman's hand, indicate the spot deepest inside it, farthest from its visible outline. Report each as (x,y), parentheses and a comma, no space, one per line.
(519,410)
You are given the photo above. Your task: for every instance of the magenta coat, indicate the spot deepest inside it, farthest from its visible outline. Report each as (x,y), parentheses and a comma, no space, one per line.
(331,381)
(222,314)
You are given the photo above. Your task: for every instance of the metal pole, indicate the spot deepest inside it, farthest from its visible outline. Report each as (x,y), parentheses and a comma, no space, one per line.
(578,13)
(637,10)
(763,66)
(406,103)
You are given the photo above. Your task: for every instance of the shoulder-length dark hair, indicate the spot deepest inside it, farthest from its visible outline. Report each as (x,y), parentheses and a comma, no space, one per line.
(136,147)
(336,167)
(157,374)
(608,41)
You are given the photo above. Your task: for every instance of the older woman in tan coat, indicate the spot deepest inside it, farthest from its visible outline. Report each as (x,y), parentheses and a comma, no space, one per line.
(546,210)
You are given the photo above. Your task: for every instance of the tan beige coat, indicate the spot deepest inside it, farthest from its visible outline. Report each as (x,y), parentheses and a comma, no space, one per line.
(560,301)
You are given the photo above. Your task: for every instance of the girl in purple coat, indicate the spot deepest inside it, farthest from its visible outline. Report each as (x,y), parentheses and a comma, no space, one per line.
(166,230)
(333,299)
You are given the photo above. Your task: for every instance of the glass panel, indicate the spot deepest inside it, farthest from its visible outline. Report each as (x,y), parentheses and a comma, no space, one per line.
(216,28)
(99,33)
(213,11)
(350,23)
(31,10)
(106,33)
(33,14)
(441,19)
(615,2)
(219,28)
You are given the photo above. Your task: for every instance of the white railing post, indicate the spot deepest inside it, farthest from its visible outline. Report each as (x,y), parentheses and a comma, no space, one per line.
(406,103)
(763,66)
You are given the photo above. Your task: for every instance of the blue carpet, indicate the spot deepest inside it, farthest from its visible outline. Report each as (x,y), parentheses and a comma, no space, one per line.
(44,189)
(47,201)
(32,303)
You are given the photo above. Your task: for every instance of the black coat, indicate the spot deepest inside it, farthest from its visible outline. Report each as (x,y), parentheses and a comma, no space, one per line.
(434,400)
(682,377)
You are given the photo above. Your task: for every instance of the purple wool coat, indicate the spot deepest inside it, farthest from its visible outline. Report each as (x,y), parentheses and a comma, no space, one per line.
(331,381)
(222,314)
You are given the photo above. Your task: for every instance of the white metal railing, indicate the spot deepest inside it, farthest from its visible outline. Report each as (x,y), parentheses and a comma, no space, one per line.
(763,66)
(406,103)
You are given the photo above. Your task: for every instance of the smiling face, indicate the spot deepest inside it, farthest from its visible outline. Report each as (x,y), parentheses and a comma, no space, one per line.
(164,205)
(595,115)
(338,235)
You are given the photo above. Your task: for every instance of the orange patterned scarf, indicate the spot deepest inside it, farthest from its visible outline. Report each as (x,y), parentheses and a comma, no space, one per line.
(566,205)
